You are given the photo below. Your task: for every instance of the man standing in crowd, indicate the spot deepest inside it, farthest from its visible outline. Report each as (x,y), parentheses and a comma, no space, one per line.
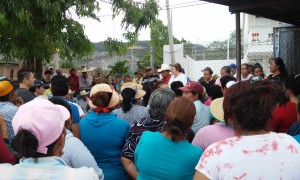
(83,102)
(85,80)
(8,108)
(118,84)
(207,81)
(73,80)
(59,88)
(165,73)
(149,74)
(26,80)
(139,77)
(52,70)
(38,88)
(233,69)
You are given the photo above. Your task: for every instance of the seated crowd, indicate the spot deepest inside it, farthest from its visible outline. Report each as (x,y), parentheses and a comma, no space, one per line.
(159,125)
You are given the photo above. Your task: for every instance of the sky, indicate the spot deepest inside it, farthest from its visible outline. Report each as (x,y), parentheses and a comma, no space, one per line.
(196,21)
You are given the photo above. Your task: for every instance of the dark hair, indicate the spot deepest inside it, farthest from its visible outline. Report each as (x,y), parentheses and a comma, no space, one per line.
(149,87)
(7,96)
(250,105)
(225,79)
(59,85)
(47,72)
(128,98)
(280,93)
(279,62)
(175,85)
(180,117)
(226,69)
(22,74)
(101,99)
(61,102)
(209,70)
(258,66)
(293,83)
(245,64)
(159,83)
(178,67)
(26,144)
(215,92)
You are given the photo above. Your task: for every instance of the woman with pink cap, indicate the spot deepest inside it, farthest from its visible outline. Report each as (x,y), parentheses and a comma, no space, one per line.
(103,133)
(39,142)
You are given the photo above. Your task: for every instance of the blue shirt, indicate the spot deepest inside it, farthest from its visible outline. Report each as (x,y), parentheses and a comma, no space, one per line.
(75,111)
(297,137)
(104,135)
(8,111)
(202,117)
(157,157)
(45,168)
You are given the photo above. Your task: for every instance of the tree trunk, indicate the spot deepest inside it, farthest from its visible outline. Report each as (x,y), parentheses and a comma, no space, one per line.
(34,65)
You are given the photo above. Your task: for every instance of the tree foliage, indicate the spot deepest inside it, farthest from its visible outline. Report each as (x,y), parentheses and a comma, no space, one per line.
(34,30)
(119,68)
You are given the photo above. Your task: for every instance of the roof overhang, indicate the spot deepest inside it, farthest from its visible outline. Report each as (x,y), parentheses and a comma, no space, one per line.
(287,11)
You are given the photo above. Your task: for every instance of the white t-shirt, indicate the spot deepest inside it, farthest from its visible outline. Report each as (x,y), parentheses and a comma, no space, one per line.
(247,78)
(268,156)
(181,78)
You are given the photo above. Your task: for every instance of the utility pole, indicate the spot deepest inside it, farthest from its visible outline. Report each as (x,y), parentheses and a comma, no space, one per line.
(151,58)
(170,32)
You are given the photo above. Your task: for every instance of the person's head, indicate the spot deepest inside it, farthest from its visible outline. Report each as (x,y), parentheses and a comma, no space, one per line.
(244,69)
(159,102)
(131,93)
(215,92)
(180,117)
(100,75)
(103,98)
(292,85)
(47,74)
(139,74)
(148,71)
(161,84)
(127,78)
(25,77)
(156,69)
(225,71)
(38,88)
(58,101)
(164,70)
(7,92)
(39,129)
(248,106)
(118,78)
(224,81)
(59,86)
(258,71)
(52,70)
(83,95)
(175,86)
(176,68)
(72,71)
(233,68)
(192,91)
(277,66)
(109,77)
(207,73)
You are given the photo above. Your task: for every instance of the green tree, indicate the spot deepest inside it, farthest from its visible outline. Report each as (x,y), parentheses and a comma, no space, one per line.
(119,68)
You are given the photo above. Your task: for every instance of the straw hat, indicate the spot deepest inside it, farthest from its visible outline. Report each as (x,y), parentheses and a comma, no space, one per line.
(216,108)
(139,92)
(114,101)
(84,69)
(83,93)
(164,67)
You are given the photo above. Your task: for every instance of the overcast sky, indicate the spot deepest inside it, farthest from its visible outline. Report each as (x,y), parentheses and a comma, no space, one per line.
(193,20)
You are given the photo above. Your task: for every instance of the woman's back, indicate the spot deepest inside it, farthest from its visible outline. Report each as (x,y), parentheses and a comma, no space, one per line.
(135,113)
(105,135)
(268,156)
(157,157)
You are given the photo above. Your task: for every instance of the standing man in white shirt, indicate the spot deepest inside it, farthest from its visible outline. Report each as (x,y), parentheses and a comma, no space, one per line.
(85,80)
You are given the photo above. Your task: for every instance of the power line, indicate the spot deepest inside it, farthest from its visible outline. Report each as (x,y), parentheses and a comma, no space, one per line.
(185,6)
(182,3)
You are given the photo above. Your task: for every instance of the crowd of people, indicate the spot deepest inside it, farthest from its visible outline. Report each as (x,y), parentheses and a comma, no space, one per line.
(158,125)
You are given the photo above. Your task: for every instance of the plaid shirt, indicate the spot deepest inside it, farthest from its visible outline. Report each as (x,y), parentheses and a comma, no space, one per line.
(8,111)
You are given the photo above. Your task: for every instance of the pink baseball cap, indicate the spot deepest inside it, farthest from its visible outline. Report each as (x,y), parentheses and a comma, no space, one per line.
(192,86)
(43,119)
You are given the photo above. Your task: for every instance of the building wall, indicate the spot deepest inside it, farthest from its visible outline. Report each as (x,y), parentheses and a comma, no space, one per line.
(9,70)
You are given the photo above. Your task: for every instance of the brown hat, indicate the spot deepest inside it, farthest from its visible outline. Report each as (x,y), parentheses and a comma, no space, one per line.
(193,86)
(5,88)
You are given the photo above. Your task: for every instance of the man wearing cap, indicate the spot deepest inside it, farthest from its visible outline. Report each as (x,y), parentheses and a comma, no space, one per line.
(165,73)
(149,74)
(207,81)
(52,70)
(83,102)
(193,91)
(73,80)
(139,77)
(26,80)
(8,108)
(233,69)
(38,88)
(85,80)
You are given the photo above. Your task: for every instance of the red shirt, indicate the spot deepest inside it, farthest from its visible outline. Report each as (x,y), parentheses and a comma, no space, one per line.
(6,156)
(283,117)
(166,80)
(74,82)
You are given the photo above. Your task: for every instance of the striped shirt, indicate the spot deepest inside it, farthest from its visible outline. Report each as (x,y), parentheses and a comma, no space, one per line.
(45,168)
